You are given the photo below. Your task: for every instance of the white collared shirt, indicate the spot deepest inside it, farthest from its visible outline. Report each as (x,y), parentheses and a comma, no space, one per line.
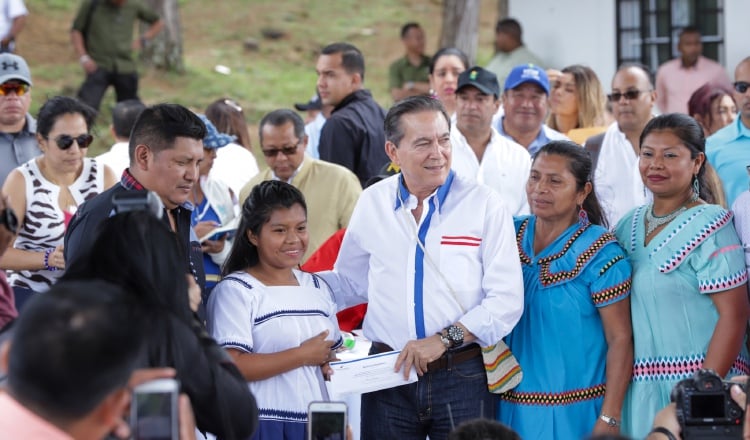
(617,180)
(469,237)
(117,158)
(504,167)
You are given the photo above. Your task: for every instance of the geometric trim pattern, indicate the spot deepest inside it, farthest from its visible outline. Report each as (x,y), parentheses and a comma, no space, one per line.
(701,236)
(678,368)
(723,283)
(554,399)
(607,295)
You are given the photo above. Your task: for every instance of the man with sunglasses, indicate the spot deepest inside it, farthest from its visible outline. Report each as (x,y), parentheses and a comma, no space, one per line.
(18,142)
(330,190)
(617,181)
(728,150)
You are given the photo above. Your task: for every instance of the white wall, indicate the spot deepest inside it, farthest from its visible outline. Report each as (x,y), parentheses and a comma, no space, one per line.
(565,32)
(736,33)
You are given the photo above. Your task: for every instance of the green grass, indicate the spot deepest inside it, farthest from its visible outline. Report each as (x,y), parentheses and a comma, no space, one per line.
(279,74)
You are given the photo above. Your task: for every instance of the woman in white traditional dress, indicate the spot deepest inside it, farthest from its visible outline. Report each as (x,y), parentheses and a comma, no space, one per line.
(277,322)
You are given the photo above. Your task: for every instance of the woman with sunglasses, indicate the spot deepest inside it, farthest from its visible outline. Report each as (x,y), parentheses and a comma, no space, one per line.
(46,191)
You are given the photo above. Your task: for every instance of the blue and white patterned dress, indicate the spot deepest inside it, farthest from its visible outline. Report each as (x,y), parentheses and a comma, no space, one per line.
(697,254)
(559,341)
(246,315)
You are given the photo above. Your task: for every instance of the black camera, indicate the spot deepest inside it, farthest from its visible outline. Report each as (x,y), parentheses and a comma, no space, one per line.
(705,408)
(138,201)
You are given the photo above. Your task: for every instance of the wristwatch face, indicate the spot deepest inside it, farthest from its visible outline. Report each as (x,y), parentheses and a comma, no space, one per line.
(455,334)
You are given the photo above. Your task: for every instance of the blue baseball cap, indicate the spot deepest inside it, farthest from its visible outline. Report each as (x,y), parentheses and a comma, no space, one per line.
(214,138)
(527,73)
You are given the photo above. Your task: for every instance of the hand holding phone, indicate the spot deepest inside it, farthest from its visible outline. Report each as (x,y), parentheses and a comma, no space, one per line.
(154,410)
(326,421)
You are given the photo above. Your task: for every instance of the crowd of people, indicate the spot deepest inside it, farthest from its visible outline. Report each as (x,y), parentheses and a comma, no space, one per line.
(599,236)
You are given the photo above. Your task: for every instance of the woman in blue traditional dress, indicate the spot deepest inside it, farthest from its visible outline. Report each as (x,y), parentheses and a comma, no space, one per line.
(573,341)
(278,323)
(689,303)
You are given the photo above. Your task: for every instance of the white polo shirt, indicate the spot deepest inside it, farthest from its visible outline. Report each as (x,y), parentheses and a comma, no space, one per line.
(504,167)
(467,232)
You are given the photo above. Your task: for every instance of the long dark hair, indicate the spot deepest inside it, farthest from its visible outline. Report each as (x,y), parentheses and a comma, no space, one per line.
(580,165)
(264,198)
(691,135)
(137,251)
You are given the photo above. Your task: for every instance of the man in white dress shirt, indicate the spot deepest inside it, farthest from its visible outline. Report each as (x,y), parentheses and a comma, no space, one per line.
(616,177)
(434,255)
(479,151)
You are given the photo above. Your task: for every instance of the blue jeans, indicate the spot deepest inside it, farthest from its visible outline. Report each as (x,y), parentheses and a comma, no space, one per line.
(427,406)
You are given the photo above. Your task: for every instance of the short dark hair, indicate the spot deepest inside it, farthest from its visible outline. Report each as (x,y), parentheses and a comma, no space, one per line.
(73,346)
(280,117)
(510,26)
(57,106)
(483,429)
(409,26)
(158,126)
(415,104)
(264,198)
(124,115)
(351,58)
(581,167)
(690,30)
(446,51)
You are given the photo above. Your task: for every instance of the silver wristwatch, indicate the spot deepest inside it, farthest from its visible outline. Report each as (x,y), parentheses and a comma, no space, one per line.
(611,421)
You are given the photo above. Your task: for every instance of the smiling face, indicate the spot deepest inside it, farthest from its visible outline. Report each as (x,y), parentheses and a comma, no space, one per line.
(71,159)
(424,152)
(552,190)
(666,166)
(282,240)
(525,108)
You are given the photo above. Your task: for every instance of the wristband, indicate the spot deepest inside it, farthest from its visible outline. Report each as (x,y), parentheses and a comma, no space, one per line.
(663,430)
(47,253)
(84,59)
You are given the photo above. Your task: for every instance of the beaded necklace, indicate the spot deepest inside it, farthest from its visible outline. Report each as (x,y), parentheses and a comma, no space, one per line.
(653,221)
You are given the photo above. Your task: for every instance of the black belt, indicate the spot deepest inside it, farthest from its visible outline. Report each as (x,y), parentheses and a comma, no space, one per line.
(448,359)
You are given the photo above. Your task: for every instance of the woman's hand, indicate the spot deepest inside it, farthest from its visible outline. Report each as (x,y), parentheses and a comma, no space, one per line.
(214,246)
(57,258)
(316,350)
(203,228)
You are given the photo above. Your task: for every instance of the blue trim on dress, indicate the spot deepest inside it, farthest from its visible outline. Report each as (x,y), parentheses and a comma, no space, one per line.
(239,280)
(238,345)
(312,312)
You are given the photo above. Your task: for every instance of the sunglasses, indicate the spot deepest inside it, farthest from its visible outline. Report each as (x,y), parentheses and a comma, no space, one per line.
(273,152)
(19,88)
(629,95)
(741,86)
(65,141)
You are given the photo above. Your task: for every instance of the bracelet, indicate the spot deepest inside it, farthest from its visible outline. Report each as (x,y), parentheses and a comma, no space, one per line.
(84,59)
(47,253)
(663,430)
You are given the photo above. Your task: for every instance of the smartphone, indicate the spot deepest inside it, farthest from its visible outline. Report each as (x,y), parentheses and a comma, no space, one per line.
(326,421)
(153,410)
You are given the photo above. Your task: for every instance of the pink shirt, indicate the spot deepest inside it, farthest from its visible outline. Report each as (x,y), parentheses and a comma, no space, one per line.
(675,84)
(18,422)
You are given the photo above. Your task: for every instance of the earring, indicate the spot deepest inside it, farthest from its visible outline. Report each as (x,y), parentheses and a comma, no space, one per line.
(583,217)
(696,187)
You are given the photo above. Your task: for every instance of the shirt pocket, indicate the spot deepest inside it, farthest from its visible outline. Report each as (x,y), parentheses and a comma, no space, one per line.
(461,263)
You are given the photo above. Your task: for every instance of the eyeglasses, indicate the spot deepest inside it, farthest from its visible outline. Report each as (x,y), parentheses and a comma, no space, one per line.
(65,141)
(288,151)
(741,86)
(19,88)
(629,95)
